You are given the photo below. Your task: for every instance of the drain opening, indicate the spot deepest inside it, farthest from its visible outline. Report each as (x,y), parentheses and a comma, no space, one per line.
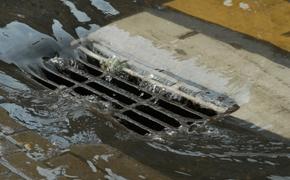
(75,76)
(43,82)
(138,104)
(158,115)
(83,92)
(57,79)
(111,93)
(93,62)
(133,127)
(93,71)
(177,110)
(143,120)
(189,123)
(130,88)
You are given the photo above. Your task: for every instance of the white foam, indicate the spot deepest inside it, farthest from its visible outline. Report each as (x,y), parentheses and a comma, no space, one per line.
(81,16)
(244,6)
(92,166)
(50,174)
(113,176)
(105,7)
(228,3)
(274,177)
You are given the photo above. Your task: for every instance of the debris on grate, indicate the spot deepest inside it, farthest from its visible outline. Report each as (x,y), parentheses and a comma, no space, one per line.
(145,101)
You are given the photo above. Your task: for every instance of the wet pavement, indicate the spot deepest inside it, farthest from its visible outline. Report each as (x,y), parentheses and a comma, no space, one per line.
(31,31)
(27,155)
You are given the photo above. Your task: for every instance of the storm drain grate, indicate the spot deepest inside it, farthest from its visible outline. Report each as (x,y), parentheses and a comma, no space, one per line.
(141,109)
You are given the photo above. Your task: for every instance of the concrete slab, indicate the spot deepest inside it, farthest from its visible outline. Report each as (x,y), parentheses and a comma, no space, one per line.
(75,168)
(37,147)
(266,20)
(108,158)
(24,166)
(27,155)
(8,125)
(260,86)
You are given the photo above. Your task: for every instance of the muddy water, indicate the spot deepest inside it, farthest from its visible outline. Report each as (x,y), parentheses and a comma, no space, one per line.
(32,30)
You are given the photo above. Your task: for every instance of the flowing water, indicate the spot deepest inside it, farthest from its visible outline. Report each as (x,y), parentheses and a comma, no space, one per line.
(36,29)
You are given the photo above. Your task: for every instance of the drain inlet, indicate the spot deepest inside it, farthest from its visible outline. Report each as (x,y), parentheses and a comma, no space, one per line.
(139,108)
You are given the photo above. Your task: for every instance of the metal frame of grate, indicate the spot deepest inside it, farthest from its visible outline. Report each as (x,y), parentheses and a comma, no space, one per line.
(137,108)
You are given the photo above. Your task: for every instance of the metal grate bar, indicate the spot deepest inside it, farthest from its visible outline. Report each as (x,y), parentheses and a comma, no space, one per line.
(177,109)
(148,122)
(159,116)
(162,123)
(182,120)
(110,92)
(109,85)
(44,82)
(112,87)
(126,118)
(94,91)
(202,116)
(59,79)
(94,68)
(135,106)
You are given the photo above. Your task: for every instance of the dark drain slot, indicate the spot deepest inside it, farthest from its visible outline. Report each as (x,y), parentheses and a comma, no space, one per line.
(144,121)
(75,76)
(133,127)
(130,89)
(57,79)
(93,61)
(92,71)
(44,83)
(177,110)
(85,92)
(158,115)
(111,93)
(198,108)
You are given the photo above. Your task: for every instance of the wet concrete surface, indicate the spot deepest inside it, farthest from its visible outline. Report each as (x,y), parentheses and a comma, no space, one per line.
(31,30)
